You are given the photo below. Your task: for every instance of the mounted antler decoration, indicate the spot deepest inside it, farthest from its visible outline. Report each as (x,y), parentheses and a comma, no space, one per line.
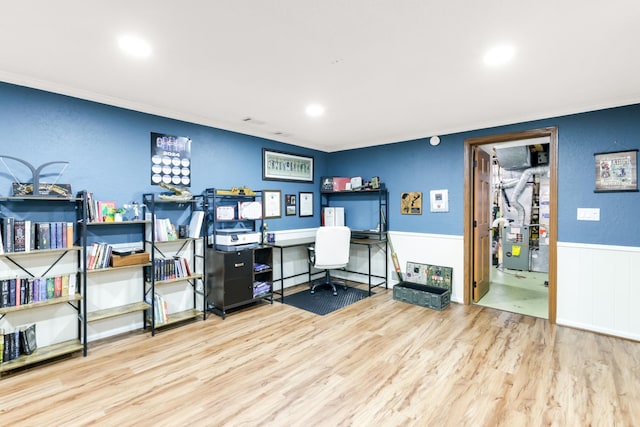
(34,188)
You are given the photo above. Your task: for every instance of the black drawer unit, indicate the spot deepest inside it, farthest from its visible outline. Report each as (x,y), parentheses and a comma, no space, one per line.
(230,279)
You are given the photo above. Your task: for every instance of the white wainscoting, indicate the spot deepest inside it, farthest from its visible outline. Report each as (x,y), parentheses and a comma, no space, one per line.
(416,247)
(599,288)
(435,249)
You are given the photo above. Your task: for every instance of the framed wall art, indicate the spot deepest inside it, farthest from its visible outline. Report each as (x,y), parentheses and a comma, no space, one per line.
(306,204)
(616,171)
(281,166)
(290,204)
(411,203)
(272,202)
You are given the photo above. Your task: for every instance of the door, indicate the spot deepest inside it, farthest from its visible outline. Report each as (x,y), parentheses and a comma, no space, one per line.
(481,219)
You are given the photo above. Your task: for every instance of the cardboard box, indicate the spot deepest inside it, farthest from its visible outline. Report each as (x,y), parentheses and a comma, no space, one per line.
(133,259)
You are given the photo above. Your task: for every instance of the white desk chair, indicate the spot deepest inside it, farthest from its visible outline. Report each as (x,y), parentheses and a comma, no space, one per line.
(331,252)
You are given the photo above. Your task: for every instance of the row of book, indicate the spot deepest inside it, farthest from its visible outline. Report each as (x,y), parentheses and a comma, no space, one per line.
(19,235)
(168,268)
(166,231)
(100,211)
(23,291)
(21,340)
(98,256)
(161,311)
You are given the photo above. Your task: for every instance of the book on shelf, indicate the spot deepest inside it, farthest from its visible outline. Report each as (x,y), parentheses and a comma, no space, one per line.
(72,285)
(18,235)
(44,234)
(195,225)
(7,233)
(28,343)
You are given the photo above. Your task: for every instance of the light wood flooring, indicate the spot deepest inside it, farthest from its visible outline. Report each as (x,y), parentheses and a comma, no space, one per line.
(378,362)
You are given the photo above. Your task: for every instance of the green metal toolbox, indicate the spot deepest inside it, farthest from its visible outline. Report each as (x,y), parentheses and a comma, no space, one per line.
(425,285)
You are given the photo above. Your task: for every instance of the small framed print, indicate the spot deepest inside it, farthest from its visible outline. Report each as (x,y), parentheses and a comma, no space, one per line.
(411,203)
(272,202)
(616,171)
(306,204)
(290,204)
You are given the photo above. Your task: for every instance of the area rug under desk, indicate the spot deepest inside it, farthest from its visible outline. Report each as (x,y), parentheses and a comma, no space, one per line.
(323,301)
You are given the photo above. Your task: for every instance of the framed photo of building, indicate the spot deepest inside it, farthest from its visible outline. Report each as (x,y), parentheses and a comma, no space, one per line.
(281,166)
(616,171)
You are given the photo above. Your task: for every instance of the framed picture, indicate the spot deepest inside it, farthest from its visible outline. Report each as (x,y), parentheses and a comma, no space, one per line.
(411,203)
(290,204)
(281,166)
(272,200)
(306,203)
(616,171)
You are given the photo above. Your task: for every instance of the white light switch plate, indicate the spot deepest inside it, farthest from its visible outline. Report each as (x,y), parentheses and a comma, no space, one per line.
(588,214)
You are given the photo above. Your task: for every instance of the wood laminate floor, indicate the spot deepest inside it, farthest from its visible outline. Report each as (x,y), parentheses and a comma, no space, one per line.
(378,362)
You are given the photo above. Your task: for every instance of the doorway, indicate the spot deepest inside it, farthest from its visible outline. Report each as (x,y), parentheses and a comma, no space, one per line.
(479,263)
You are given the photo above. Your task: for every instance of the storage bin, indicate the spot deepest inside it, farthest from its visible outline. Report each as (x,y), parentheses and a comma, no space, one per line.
(426,285)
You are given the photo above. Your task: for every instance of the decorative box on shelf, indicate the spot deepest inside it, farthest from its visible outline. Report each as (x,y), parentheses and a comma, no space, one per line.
(425,285)
(132,259)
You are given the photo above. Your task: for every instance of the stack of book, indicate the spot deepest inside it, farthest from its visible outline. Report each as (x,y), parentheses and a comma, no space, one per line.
(19,235)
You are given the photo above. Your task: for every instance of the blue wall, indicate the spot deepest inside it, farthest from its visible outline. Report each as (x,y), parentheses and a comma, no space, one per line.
(417,166)
(108,150)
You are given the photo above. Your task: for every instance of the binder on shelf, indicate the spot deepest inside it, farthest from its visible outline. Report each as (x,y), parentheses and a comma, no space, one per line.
(332,216)
(195,225)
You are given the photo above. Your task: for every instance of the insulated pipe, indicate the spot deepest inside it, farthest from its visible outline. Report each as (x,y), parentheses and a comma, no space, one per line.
(517,192)
(499,221)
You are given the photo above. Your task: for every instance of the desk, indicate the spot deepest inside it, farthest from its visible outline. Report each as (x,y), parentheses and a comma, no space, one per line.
(307,241)
(285,244)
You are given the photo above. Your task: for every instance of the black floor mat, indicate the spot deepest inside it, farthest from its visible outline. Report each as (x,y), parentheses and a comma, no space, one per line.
(323,301)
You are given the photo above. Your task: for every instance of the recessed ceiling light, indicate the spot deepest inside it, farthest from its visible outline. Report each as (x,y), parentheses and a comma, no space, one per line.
(134,46)
(499,55)
(315,110)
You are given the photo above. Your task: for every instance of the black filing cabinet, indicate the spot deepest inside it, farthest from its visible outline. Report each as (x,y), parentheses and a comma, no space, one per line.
(230,280)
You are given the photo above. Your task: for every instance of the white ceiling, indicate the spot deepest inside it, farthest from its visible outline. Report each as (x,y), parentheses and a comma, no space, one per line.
(386,70)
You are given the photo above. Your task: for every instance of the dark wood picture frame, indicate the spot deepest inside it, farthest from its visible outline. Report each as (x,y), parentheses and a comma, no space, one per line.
(616,171)
(282,166)
(290,204)
(305,201)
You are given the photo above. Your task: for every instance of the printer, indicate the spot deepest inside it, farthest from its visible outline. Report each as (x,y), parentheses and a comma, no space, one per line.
(235,239)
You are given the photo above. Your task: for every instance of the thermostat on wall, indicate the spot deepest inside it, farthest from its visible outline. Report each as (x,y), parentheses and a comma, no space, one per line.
(439,200)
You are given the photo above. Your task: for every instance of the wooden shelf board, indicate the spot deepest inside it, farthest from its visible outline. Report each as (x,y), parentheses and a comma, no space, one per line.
(42,354)
(117,311)
(40,251)
(137,221)
(124,267)
(53,301)
(180,317)
(179,279)
(48,198)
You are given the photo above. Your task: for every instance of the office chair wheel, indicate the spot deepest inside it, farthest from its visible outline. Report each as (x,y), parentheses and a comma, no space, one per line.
(312,291)
(335,293)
